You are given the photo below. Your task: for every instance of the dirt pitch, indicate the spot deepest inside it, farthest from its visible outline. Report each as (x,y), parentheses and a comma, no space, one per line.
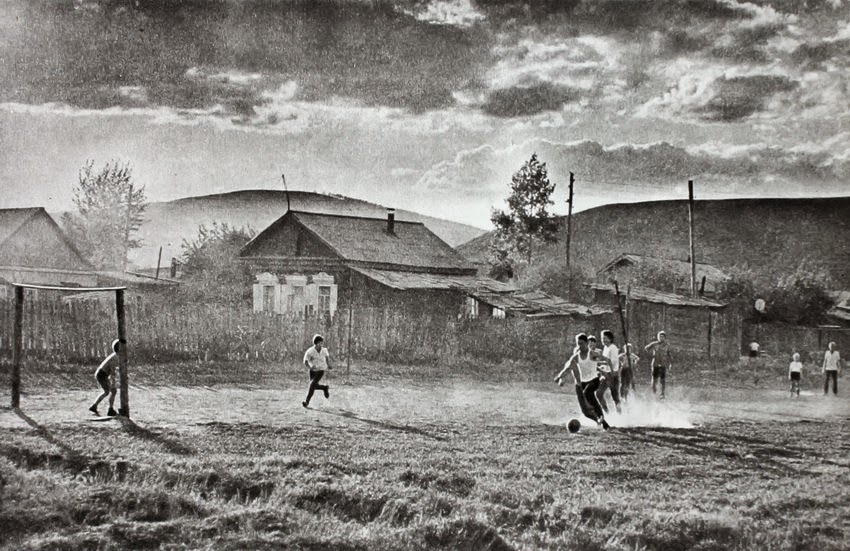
(400,462)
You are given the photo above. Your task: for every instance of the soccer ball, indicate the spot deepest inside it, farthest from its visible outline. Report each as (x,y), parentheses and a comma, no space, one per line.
(574,425)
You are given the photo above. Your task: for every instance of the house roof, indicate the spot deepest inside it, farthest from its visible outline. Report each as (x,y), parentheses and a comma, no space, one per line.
(134,278)
(842,299)
(412,280)
(536,304)
(658,297)
(678,267)
(12,220)
(366,240)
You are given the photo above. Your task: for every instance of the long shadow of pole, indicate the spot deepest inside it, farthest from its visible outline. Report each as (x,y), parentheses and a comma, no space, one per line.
(382,424)
(73,455)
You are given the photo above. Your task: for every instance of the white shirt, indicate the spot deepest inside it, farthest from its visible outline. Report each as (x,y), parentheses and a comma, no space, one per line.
(587,368)
(317,360)
(830,360)
(754,346)
(612,353)
(796,367)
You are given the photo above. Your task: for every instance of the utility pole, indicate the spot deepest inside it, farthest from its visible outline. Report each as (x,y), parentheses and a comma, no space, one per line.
(570,220)
(691,237)
(288,206)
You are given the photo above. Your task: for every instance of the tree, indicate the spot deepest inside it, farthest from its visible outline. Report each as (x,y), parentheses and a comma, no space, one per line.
(211,270)
(527,217)
(110,210)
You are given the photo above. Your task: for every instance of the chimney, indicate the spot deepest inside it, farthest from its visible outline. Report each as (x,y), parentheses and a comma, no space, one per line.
(391,221)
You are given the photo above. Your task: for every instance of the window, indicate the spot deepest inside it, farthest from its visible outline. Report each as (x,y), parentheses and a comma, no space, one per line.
(268,298)
(498,313)
(324,300)
(471,307)
(296,299)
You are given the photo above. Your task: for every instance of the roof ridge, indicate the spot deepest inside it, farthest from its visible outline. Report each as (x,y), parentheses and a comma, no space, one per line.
(335,215)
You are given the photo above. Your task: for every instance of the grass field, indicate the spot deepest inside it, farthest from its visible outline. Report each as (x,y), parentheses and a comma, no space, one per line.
(398,458)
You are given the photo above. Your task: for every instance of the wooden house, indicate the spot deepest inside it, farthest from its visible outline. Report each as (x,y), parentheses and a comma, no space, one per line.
(674,276)
(316,264)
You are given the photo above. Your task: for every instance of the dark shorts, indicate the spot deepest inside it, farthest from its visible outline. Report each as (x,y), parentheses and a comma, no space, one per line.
(103,380)
(659,372)
(754,353)
(795,375)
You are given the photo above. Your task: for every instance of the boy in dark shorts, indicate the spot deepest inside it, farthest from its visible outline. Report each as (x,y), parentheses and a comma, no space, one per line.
(317,360)
(662,361)
(584,366)
(105,377)
(627,371)
(795,371)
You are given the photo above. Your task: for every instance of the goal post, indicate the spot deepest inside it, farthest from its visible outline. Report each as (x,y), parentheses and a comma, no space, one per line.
(18,345)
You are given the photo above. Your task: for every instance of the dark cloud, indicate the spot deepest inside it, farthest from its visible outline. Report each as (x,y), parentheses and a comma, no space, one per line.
(815,54)
(83,52)
(520,101)
(736,98)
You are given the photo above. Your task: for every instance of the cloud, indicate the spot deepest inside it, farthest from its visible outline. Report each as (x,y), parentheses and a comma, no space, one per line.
(736,98)
(648,170)
(521,101)
(458,13)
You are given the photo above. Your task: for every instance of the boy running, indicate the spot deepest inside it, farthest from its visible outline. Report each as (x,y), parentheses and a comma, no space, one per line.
(662,361)
(584,368)
(611,357)
(317,360)
(831,365)
(627,378)
(105,377)
(794,374)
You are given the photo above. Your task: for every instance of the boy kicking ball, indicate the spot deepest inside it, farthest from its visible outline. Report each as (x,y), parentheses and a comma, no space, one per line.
(105,377)
(317,360)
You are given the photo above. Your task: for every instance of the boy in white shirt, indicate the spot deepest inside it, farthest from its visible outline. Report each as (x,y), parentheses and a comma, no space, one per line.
(611,371)
(794,374)
(831,365)
(317,360)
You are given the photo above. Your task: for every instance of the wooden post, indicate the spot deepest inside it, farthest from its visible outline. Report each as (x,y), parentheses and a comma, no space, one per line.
(350,318)
(127,226)
(691,237)
(124,408)
(623,324)
(17,347)
(570,220)
(158,262)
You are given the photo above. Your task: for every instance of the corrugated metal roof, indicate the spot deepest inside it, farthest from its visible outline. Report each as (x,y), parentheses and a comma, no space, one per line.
(658,297)
(538,304)
(410,280)
(679,267)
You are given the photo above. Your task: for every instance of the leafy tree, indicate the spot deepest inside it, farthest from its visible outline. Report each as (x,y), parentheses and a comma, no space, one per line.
(527,217)
(110,210)
(211,269)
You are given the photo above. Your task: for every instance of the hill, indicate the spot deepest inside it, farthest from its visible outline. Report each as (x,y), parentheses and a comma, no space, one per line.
(769,236)
(167,224)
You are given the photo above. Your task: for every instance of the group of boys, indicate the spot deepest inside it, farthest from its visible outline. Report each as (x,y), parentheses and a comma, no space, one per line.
(597,370)
(832,364)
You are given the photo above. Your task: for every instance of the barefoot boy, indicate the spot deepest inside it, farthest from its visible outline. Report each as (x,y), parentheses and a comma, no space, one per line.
(794,373)
(105,377)
(662,361)
(585,369)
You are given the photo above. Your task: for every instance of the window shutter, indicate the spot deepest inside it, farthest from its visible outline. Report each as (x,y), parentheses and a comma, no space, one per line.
(258,297)
(333,300)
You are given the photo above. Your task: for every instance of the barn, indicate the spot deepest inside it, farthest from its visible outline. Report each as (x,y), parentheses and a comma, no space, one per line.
(308,263)
(672,275)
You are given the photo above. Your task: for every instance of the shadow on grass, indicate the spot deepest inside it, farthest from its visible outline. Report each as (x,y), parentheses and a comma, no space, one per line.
(745,451)
(382,424)
(172,446)
(73,456)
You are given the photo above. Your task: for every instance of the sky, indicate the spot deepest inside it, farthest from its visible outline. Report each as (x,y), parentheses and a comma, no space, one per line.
(427,105)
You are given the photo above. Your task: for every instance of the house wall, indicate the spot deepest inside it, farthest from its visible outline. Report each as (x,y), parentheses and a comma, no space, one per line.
(694,331)
(625,274)
(36,276)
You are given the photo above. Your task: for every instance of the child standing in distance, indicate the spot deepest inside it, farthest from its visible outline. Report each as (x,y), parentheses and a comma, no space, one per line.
(831,365)
(794,373)
(611,357)
(317,360)
(584,368)
(105,377)
(662,362)
(627,379)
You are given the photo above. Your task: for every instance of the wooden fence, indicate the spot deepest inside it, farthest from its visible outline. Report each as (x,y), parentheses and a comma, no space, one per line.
(82,332)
